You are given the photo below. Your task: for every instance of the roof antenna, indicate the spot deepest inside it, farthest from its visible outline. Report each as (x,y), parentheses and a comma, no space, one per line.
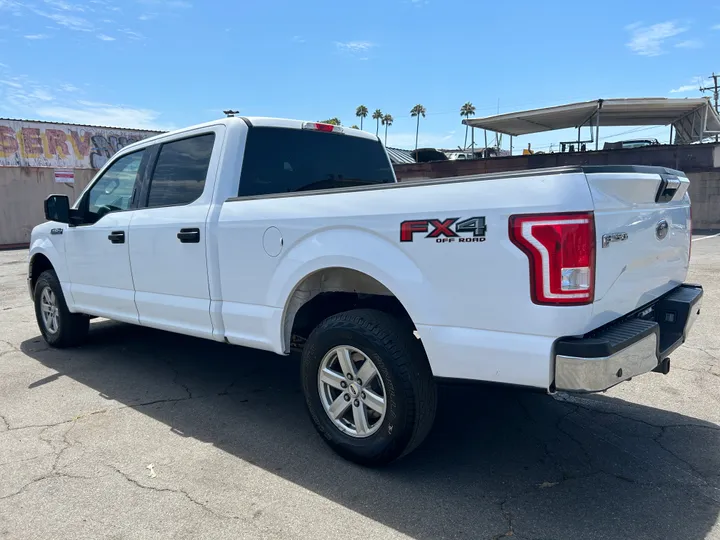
(230,113)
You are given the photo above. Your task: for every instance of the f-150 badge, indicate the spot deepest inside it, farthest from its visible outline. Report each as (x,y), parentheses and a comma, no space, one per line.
(445,230)
(607,239)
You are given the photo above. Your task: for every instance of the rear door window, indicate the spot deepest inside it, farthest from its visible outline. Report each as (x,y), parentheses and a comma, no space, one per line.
(180,171)
(281,160)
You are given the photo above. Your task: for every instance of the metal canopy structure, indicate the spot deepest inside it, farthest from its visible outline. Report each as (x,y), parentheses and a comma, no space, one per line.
(398,156)
(692,119)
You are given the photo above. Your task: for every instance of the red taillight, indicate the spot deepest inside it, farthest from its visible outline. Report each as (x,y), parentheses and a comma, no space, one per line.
(318,126)
(561,250)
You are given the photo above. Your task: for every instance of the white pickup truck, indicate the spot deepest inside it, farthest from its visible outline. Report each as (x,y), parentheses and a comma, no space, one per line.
(276,234)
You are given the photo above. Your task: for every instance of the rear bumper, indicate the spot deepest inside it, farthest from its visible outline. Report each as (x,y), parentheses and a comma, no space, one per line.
(628,348)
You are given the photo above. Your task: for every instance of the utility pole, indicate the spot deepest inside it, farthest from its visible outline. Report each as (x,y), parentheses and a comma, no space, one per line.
(714,88)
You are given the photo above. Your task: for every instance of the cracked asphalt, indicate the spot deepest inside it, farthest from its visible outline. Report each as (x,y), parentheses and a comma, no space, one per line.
(146,434)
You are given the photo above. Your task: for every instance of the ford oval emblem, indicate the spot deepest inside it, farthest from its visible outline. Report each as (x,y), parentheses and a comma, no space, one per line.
(661,230)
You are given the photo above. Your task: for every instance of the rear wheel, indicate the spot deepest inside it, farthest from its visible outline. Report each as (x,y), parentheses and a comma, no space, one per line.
(368,386)
(59,327)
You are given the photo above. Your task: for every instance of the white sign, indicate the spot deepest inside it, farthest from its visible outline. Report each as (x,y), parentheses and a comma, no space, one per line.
(65,176)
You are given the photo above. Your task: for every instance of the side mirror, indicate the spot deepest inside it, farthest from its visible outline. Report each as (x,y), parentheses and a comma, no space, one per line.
(57,208)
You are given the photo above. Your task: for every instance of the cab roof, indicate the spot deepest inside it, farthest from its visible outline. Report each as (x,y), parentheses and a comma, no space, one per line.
(250,121)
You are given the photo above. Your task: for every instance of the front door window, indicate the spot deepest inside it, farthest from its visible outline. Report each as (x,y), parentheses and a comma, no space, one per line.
(114,191)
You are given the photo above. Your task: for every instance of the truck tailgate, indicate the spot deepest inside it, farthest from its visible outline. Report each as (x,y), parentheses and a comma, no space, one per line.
(643,228)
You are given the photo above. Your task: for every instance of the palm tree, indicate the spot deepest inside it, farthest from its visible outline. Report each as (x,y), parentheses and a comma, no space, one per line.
(387,120)
(377,115)
(418,111)
(361,112)
(467,111)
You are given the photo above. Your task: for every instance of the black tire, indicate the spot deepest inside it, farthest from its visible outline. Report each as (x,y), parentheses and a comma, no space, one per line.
(410,391)
(72,327)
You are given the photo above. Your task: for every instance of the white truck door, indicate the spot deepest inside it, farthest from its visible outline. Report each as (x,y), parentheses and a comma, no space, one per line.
(97,248)
(168,252)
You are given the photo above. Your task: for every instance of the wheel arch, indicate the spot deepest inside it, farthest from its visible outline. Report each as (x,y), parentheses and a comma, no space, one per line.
(350,261)
(43,256)
(39,263)
(332,290)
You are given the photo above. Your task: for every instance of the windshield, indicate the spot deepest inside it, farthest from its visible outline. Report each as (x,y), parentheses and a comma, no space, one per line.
(280,160)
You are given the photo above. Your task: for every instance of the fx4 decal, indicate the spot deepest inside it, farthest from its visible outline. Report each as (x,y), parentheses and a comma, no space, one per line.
(445,230)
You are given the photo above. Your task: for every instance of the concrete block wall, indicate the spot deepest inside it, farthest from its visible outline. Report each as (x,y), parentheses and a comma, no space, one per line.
(705,196)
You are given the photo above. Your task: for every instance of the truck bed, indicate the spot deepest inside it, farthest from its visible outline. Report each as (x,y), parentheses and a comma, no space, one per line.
(469,300)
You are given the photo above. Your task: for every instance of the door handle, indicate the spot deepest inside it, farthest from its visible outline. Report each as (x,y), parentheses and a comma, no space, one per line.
(117,237)
(189,236)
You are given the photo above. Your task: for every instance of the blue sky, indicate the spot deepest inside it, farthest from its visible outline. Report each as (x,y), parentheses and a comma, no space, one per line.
(171,63)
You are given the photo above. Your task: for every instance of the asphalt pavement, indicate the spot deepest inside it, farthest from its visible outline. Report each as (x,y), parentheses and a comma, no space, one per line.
(147,434)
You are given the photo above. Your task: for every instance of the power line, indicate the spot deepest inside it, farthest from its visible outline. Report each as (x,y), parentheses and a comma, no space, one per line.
(629,131)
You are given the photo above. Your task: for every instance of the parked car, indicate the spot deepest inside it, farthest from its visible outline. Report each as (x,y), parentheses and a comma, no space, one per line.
(271,233)
(425,155)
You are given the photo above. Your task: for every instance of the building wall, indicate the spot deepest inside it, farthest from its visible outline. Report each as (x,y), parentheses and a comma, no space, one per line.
(22,192)
(31,152)
(42,144)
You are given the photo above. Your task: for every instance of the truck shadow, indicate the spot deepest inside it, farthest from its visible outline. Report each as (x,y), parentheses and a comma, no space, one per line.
(498,462)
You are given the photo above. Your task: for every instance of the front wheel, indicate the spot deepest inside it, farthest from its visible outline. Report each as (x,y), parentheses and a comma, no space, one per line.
(368,386)
(59,327)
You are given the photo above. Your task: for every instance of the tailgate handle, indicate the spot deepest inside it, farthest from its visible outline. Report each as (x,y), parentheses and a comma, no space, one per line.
(668,187)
